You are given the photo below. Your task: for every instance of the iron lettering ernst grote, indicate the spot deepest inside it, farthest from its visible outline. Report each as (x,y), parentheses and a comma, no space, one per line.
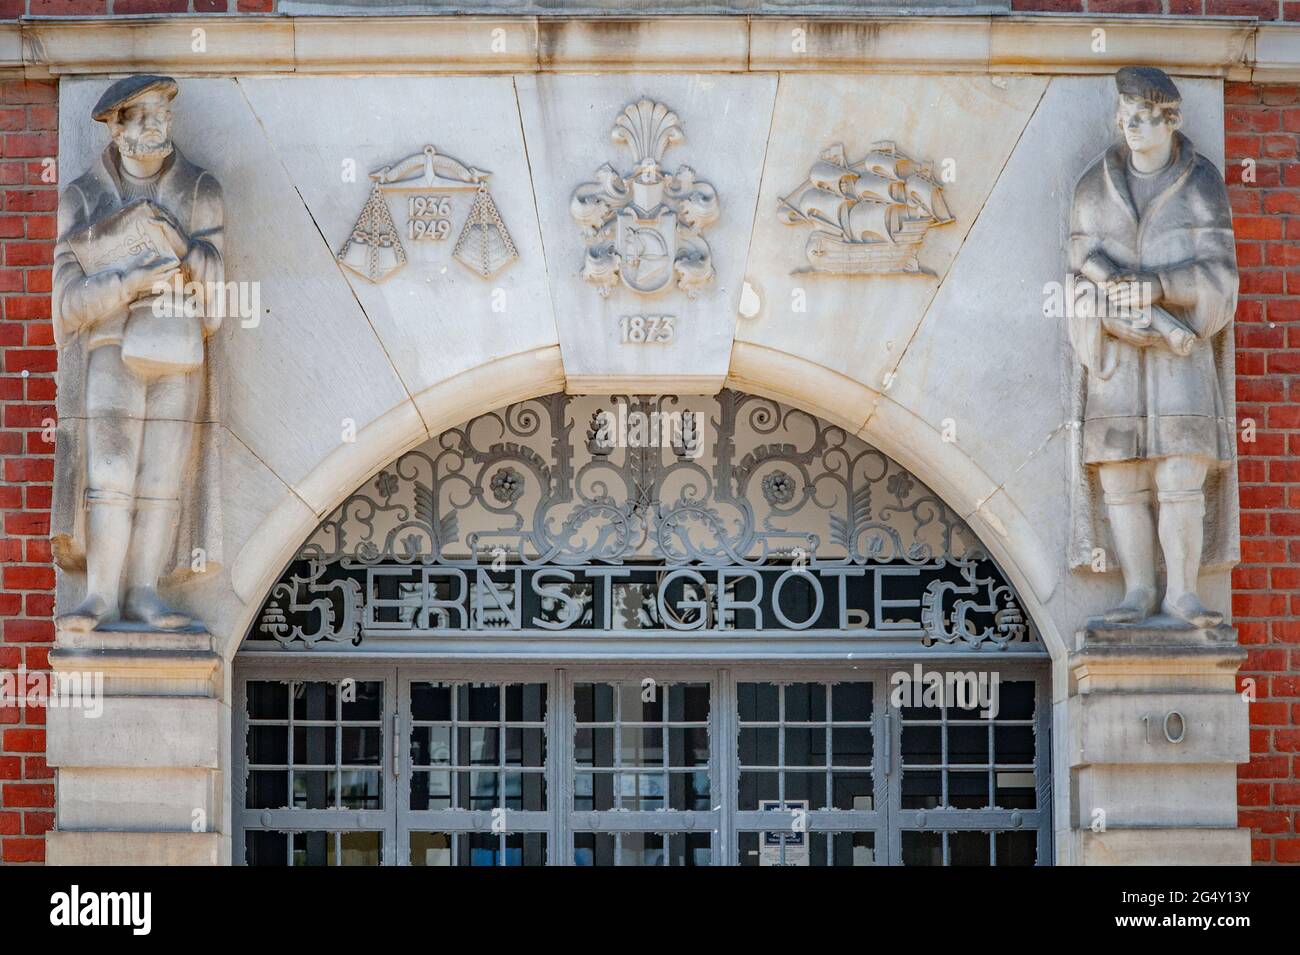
(1151,226)
(142,217)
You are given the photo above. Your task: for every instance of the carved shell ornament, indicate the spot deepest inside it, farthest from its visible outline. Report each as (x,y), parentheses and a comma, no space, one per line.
(374,249)
(644,228)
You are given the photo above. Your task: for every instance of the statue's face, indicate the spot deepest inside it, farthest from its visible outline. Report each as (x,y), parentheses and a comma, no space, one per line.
(1146,128)
(142,128)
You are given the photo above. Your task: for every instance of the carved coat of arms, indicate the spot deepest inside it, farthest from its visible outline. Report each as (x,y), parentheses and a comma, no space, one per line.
(644,229)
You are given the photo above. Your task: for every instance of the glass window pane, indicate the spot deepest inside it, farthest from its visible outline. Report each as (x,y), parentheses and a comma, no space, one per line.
(268,700)
(431,701)
(851,702)
(314,701)
(268,744)
(851,747)
(267,789)
(362,745)
(430,848)
(1017,848)
(805,703)
(758,702)
(688,702)
(360,848)
(266,848)
(852,791)
(314,789)
(922,848)
(479,703)
(364,701)
(526,702)
(968,848)
(805,747)
(593,702)
(361,789)
(314,746)
(593,848)
(688,747)
(760,746)
(641,849)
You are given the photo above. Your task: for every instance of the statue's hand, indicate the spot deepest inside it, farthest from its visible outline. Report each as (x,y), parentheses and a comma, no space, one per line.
(142,280)
(1133,290)
(1125,330)
(176,238)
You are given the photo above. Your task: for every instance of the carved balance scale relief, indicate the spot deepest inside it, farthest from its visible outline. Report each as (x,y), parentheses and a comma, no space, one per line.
(427,178)
(726,514)
(869,217)
(644,229)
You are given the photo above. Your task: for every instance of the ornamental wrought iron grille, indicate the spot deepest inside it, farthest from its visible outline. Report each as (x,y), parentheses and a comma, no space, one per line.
(731,515)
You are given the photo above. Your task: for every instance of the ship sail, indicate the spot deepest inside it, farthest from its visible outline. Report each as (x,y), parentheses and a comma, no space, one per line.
(927,195)
(875,188)
(832,177)
(871,221)
(883,160)
(821,205)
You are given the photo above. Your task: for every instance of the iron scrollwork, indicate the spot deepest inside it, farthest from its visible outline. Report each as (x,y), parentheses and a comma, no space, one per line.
(717,502)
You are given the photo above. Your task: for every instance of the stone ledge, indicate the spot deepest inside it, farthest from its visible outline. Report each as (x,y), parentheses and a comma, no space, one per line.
(149,664)
(132,848)
(1127,729)
(1234,48)
(174,732)
(1167,847)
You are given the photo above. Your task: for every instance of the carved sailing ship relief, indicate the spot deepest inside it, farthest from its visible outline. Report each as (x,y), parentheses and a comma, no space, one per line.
(869,217)
(645,229)
(374,249)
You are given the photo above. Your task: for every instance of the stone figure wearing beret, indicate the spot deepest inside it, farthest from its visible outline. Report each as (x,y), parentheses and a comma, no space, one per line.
(132,379)
(1151,226)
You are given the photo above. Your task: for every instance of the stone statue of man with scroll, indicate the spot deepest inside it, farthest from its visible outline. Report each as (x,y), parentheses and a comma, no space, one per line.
(141,224)
(1151,228)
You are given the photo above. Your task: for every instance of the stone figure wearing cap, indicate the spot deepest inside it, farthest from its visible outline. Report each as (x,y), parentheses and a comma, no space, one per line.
(141,222)
(1151,227)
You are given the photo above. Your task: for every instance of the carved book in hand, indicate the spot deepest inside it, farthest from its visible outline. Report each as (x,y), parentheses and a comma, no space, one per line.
(160,339)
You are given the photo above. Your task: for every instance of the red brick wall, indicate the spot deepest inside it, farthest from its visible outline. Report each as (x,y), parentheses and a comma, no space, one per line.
(1261,9)
(1263,126)
(12,9)
(28,123)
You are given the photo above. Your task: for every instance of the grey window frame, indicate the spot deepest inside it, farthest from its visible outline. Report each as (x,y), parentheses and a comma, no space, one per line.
(886,820)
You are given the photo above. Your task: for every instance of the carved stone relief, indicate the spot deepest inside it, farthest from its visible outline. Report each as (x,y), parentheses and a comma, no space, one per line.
(1151,236)
(644,229)
(141,223)
(428,179)
(869,217)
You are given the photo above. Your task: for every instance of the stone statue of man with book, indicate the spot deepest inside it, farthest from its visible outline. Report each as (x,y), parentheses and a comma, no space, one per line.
(141,224)
(1151,227)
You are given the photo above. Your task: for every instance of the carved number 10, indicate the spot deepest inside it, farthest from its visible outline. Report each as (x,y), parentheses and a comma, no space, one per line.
(646,329)
(1173,721)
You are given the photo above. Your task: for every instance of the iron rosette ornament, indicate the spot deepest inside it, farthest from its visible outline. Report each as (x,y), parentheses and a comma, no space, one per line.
(649,482)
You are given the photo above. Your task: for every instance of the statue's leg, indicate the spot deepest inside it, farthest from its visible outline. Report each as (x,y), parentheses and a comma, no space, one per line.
(114,411)
(1180,482)
(1126,489)
(165,452)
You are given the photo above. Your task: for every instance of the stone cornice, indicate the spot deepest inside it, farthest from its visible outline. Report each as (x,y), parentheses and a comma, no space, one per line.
(1239,49)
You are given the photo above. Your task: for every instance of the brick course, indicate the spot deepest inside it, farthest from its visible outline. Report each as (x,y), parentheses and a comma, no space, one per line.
(1261,125)
(27,361)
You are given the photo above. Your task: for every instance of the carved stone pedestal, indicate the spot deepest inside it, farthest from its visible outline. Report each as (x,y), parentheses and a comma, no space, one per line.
(138,777)
(1157,731)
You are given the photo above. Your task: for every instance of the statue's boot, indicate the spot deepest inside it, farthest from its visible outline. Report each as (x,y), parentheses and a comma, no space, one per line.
(1182,533)
(1133,532)
(108,534)
(151,548)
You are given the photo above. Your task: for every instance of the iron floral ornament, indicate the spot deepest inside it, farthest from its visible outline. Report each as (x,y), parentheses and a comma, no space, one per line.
(644,229)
